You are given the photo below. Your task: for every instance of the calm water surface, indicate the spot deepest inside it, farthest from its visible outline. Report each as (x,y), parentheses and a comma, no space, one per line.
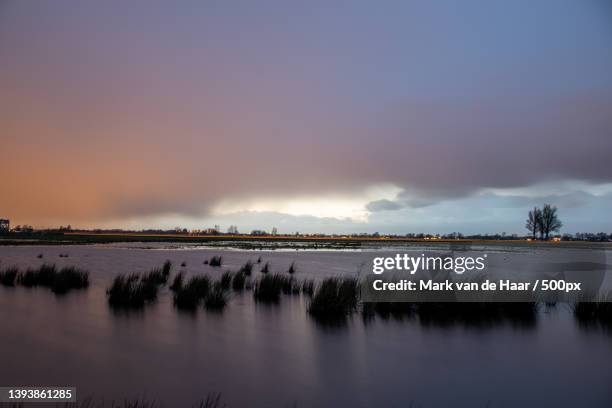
(276,356)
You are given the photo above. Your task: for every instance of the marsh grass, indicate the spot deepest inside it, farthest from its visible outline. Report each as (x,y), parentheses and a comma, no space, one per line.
(59,281)
(128,291)
(226,280)
(29,278)
(594,313)
(216,298)
(289,286)
(335,298)
(155,276)
(8,276)
(68,278)
(268,288)
(308,287)
(238,281)
(247,268)
(216,261)
(191,294)
(167,268)
(177,283)
(134,290)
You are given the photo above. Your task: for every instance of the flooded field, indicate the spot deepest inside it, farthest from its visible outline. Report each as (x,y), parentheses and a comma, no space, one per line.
(277,355)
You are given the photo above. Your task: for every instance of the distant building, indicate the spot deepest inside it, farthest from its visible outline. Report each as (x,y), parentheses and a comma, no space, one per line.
(5,225)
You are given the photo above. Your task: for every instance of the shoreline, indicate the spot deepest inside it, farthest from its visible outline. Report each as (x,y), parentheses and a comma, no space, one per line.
(258,241)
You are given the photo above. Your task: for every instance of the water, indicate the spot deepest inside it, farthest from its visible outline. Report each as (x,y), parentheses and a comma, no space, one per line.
(276,355)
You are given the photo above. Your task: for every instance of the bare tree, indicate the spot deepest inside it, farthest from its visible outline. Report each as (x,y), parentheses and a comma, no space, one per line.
(534,222)
(550,220)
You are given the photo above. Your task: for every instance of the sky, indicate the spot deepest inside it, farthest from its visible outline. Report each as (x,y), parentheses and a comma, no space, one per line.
(319,116)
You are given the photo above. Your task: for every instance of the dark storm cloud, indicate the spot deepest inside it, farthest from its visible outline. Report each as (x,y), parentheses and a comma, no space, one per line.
(113,111)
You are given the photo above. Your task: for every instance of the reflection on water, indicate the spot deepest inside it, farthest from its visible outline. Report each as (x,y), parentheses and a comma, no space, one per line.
(276,355)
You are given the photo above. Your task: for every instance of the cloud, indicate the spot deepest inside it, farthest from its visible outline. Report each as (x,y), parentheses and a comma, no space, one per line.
(383,205)
(207,115)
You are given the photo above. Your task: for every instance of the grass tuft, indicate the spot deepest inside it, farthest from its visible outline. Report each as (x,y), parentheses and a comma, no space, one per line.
(68,278)
(216,261)
(59,281)
(226,280)
(216,298)
(247,268)
(177,283)
(335,298)
(129,291)
(9,276)
(308,287)
(190,295)
(238,282)
(270,286)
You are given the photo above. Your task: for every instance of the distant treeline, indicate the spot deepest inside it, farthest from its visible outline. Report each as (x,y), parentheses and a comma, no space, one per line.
(55,234)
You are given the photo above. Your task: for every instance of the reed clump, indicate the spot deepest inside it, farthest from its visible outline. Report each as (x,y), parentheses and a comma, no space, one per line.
(247,268)
(177,283)
(216,261)
(268,288)
(134,290)
(308,287)
(8,276)
(226,280)
(216,298)
(335,298)
(191,294)
(597,312)
(130,291)
(60,281)
(68,278)
(238,281)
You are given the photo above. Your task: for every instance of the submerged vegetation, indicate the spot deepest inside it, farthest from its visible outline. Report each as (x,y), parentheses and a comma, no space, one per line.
(331,300)
(593,314)
(60,281)
(191,294)
(215,261)
(201,290)
(134,290)
(238,281)
(335,298)
(269,287)
(177,283)
(247,268)
(216,299)
(8,276)
(131,291)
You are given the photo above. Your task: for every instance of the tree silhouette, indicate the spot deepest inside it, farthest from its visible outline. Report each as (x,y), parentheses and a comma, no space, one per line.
(550,220)
(534,221)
